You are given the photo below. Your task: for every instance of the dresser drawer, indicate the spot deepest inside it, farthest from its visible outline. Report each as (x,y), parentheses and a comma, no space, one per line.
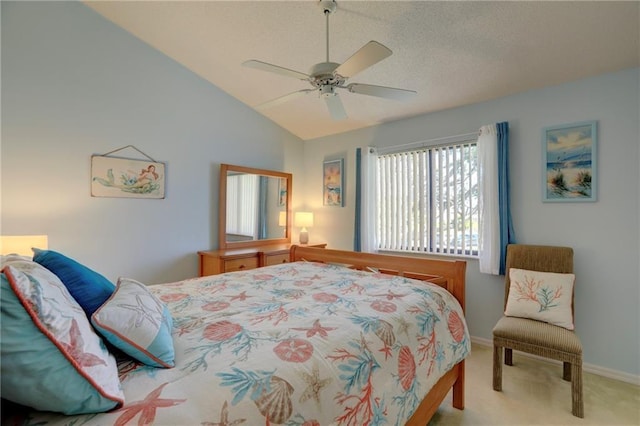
(215,262)
(230,265)
(276,259)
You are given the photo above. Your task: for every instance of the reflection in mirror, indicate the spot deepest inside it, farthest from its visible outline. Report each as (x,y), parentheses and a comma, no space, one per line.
(253,210)
(253,206)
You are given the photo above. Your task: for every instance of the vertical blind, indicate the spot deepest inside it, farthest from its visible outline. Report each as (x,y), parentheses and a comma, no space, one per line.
(242,204)
(427,200)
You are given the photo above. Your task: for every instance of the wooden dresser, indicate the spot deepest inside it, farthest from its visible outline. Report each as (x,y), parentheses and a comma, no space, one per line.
(239,259)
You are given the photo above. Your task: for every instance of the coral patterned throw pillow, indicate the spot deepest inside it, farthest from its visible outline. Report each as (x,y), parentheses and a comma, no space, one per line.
(543,296)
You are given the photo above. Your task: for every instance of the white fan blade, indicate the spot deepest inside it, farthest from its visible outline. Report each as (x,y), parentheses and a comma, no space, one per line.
(283,99)
(369,54)
(382,91)
(336,109)
(275,68)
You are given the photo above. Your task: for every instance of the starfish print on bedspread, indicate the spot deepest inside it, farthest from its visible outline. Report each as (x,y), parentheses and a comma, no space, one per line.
(146,408)
(403,326)
(224,418)
(242,297)
(314,384)
(316,329)
(390,295)
(75,348)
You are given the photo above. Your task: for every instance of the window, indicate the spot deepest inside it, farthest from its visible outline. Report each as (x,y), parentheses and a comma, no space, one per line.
(427,199)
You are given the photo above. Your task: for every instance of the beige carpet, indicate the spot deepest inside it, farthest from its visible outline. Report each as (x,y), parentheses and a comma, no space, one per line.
(533,393)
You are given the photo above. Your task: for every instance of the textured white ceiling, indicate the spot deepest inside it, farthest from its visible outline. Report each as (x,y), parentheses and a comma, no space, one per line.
(452,53)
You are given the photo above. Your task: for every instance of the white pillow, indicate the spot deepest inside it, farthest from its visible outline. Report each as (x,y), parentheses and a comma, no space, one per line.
(543,296)
(138,323)
(8,258)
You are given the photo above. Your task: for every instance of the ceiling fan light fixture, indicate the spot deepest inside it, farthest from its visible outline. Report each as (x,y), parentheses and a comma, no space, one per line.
(327,90)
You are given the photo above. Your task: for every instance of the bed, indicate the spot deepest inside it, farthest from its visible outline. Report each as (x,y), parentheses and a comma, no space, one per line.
(331,338)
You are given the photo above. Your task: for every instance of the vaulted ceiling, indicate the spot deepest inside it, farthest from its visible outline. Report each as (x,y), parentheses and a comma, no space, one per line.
(452,53)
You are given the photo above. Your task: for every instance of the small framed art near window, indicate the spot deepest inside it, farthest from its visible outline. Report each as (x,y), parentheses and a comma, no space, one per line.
(569,162)
(333,182)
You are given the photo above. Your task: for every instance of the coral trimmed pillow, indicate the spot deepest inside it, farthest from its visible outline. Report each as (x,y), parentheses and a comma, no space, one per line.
(89,288)
(138,323)
(51,358)
(543,296)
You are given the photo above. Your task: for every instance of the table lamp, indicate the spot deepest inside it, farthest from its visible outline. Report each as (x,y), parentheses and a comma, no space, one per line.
(304,220)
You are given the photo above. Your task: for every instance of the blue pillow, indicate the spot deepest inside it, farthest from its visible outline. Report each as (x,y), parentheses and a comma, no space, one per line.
(89,288)
(52,359)
(138,323)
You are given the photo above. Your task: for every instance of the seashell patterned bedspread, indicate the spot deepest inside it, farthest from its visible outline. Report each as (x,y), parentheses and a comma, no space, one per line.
(293,344)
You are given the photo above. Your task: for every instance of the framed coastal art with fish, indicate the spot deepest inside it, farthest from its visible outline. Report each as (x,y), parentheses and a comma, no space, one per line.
(569,162)
(333,182)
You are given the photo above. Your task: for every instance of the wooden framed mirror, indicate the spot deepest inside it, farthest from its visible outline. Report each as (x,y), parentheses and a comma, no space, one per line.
(254,207)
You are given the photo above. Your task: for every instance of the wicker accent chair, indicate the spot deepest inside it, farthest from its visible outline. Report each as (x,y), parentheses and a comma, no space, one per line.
(537,337)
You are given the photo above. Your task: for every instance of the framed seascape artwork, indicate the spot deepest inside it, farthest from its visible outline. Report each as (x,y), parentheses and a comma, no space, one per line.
(569,162)
(333,182)
(282,192)
(121,177)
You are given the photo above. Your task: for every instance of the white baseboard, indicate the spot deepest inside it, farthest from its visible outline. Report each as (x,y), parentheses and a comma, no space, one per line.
(590,368)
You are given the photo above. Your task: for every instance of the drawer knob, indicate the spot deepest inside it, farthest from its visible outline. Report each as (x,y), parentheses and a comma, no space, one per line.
(241,267)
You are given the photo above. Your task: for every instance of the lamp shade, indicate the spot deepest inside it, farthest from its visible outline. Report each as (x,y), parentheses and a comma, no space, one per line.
(22,244)
(303,219)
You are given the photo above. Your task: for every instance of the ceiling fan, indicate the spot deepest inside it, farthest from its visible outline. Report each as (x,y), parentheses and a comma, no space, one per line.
(327,76)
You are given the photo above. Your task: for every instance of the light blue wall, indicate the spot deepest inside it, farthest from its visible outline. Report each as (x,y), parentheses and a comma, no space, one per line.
(603,234)
(74,85)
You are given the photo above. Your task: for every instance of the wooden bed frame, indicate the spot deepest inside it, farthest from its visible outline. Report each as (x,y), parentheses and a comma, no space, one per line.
(449,274)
